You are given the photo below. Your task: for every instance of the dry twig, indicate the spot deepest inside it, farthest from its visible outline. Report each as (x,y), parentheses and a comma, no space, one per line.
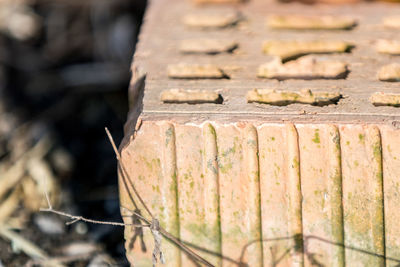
(154,224)
(75,218)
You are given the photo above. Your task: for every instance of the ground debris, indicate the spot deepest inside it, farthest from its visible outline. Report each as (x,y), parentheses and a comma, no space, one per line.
(52,60)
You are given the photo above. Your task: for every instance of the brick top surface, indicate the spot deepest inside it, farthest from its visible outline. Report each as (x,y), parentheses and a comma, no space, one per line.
(163,31)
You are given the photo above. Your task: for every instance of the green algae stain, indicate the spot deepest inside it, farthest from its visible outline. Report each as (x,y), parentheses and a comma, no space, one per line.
(212,130)
(277,167)
(205,232)
(336,140)
(168,134)
(235,234)
(361,138)
(377,150)
(252,142)
(356,164)
(225,168)
(187,176)
(153,164)
(296,163)
(211,166)
(148,164)
(173,188)
(272,138)
(156,188)
(316,138)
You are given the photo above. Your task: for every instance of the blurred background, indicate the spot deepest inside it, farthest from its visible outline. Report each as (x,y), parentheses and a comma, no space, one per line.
(64,75)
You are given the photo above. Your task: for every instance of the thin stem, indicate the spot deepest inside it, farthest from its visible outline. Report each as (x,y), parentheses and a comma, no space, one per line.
(117,154)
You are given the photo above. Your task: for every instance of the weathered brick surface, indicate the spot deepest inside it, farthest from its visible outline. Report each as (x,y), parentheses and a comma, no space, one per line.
(258,184)
(222,186)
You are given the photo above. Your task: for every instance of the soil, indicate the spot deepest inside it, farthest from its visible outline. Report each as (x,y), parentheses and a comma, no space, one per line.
(70,80)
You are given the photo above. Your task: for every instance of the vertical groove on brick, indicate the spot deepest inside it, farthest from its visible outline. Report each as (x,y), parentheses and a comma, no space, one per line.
(362,195)
(295,198)
(321,190)
(274,184)
(335,195)
(190,177)
(169,190)
(251,158)
(377,210)
(391,178)
(211,190)
(391,184)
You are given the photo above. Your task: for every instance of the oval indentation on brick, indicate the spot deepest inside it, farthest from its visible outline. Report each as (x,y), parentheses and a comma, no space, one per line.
(391,47)
(212,20)
(392,22)
(384,99)
(196,71)
(191,96)
(218,1)
(207,46)
(292,49)
(390,73)
(306,68)
(300,22)
(283,98)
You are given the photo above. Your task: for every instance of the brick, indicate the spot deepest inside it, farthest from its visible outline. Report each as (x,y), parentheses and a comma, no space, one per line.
(299,170)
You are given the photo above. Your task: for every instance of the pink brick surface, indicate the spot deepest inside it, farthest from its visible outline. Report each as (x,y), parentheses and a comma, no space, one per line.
(247,192)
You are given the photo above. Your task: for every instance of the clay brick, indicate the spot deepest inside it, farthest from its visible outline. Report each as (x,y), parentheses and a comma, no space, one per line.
(239,182)
(294,175)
